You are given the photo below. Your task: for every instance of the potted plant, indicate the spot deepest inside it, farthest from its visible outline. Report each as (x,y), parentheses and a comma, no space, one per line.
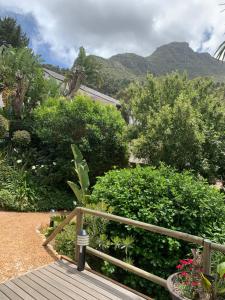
(191,283)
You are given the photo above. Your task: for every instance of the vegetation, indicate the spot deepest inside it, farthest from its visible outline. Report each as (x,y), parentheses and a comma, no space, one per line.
(4,126)
(95,128)
(177,121)
(180,122)
(22,81)
(21,138)
(81,169)
(21,191)
(191,283)
(165,198)
(11,33)
(121,69)
(90,67)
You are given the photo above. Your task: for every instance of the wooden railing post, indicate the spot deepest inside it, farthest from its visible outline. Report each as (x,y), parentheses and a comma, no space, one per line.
(206,257)
(79,226)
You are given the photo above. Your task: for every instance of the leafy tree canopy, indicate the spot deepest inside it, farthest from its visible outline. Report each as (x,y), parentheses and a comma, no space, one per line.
(97,129)
(178,121)
(22,81)
(11,33)
(90,68)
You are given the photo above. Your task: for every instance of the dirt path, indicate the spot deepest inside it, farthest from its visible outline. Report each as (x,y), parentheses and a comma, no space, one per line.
(20,244)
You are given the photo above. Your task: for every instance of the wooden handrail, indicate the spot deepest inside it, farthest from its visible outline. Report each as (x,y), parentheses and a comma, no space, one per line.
(128,267)
(60,226)
(146,226)
(79,212)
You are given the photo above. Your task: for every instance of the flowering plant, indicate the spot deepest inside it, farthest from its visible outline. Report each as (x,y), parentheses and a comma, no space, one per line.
(193,284)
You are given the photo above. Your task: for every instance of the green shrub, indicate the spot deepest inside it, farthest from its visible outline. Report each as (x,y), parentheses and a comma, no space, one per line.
(166,198)
(65,241)
(95,128)
(4,126)
(21,138)
(7,200)
(20,191)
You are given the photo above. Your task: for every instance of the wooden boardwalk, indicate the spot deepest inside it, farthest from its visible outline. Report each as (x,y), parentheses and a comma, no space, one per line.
(61,281)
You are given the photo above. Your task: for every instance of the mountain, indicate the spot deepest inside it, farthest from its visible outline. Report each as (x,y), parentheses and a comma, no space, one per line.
(121,69)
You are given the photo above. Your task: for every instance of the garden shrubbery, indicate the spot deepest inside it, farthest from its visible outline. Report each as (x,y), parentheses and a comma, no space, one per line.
(21,138)
(97,129)
(165,198)
(20,191)
(4,126)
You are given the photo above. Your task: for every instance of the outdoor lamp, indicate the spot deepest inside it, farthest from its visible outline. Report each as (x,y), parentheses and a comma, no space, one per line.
(82,242)
(52,215)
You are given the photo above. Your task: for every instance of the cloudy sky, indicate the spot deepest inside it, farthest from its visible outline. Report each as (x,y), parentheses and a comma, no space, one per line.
(57,28)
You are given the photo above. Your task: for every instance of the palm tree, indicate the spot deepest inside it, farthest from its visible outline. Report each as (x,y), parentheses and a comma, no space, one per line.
(220,52)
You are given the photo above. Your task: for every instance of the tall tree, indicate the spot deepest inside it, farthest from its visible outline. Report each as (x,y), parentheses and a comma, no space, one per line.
(180,122)
(89,66)
(11,33)
(21,78)
(84,70)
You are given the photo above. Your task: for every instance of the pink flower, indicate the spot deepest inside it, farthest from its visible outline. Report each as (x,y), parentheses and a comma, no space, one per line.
(179,267)
(184,273)
(194,283)
(183,262)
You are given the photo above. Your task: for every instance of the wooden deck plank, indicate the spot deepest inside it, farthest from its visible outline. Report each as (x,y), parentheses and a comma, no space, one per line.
(99,282)
(48,295)
(95,291)
(3,296)
(104,291)
(9,293)
(30,291)
(61,281)
(58,285)
(47,285)
(70,284)
(18,290)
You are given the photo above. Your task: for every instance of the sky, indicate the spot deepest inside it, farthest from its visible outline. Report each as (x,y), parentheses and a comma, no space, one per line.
(57,28)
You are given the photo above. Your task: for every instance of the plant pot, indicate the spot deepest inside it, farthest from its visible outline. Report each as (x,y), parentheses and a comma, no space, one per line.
(172,290)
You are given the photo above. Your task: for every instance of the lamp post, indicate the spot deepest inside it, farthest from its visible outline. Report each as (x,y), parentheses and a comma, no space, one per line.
(52,215)
(82,242)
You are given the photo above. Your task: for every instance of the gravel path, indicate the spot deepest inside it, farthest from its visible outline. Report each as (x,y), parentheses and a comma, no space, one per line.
(20,244)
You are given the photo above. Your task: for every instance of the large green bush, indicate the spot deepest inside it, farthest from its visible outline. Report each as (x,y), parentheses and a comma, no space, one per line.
(165,198)
(97,129)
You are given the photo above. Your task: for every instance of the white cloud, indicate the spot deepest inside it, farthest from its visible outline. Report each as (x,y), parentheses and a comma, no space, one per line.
(107,27)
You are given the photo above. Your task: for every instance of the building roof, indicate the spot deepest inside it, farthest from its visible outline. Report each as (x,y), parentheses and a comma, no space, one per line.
(55,75)
(97,95)
(86,90)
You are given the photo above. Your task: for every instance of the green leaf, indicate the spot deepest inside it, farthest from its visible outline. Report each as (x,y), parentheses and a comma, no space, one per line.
(206,283)
(221,291)
(77,191)
(78,157)
(221,269)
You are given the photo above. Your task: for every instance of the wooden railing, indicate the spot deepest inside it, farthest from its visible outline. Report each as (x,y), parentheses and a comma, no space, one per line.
(79,212)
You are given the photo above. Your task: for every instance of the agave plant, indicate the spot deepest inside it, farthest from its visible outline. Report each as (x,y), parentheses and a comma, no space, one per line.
(81,169)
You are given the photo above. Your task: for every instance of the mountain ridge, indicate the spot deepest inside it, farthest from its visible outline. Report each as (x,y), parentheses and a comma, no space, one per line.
(175,56)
